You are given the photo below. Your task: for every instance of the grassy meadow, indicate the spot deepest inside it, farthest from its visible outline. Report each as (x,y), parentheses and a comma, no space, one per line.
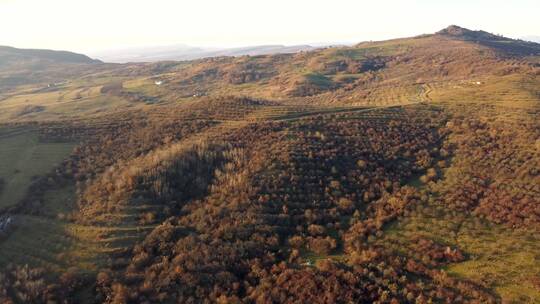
(497,257)
(22,158)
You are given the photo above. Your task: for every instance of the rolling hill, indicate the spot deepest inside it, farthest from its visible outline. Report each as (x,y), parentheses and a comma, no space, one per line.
(399,171)
(452,62)
(26,66)
(9,55)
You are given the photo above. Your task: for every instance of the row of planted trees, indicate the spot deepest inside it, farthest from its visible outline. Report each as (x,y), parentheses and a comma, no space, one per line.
(273,212)
(494,171)
(311,188)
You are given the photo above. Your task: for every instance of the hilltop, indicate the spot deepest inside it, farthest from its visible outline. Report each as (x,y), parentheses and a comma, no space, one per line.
(25,66)
(11,54)
(503,44)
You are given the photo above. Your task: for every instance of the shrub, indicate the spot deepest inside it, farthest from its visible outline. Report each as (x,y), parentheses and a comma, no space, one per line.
(322,246)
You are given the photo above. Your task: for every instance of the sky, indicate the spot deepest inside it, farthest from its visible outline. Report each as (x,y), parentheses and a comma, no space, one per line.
(97,25)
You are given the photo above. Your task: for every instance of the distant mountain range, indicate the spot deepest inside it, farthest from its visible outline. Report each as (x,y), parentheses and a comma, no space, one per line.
(186,52)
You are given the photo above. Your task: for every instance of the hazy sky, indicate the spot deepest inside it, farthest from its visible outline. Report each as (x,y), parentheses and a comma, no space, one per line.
(91,25)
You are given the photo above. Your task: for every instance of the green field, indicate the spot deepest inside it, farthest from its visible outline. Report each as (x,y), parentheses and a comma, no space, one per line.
(50,239)
(499,258)
(22,158)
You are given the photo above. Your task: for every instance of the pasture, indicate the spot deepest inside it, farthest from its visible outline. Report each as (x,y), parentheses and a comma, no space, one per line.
(22,158)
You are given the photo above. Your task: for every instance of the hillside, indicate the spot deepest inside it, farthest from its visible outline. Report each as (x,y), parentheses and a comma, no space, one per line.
(365,72)
(26,66)
(503,44)
(9,55)
(399,171)
(452,63)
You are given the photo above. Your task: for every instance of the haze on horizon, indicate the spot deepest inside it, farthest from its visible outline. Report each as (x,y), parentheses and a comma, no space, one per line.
(88,27)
